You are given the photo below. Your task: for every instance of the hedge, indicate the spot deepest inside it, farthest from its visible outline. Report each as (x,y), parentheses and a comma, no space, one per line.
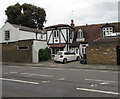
(44,54)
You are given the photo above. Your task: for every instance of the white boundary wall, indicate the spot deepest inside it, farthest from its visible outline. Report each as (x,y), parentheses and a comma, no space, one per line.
(37,45)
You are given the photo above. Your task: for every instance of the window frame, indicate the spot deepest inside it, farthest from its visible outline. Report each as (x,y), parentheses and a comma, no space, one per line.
(7,35)
(56,33)
(107,30)
(80,34)
(22,48)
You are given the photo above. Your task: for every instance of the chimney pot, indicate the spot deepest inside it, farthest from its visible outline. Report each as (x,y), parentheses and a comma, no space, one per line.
(72,23)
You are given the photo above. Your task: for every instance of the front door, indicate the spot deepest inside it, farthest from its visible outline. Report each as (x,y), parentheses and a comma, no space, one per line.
(118,55)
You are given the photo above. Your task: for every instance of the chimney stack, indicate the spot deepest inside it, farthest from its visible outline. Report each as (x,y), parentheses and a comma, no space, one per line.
(72,23)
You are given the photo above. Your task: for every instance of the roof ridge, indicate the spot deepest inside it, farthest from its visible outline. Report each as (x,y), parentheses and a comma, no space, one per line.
(98,24)
(25,28)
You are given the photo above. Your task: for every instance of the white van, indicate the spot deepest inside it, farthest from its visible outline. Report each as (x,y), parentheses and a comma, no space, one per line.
(65,56)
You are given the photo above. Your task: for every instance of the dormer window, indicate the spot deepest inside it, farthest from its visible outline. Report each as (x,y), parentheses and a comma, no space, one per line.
(107,30)
(80,34)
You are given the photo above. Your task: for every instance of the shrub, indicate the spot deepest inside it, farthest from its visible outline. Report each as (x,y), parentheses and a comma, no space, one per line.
(44,54)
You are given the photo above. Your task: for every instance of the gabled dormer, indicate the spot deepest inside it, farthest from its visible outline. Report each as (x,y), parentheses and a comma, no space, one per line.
(107,30)
(80,35)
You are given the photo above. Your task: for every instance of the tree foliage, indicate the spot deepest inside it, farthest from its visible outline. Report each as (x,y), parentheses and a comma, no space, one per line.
(26,15)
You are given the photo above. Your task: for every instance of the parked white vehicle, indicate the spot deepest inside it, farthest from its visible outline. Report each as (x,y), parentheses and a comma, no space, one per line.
(65,56)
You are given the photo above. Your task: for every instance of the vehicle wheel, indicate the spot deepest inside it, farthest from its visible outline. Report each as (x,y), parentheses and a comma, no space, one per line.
(78,58)
(65,61)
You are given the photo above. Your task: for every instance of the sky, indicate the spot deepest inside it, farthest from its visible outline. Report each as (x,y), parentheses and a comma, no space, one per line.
(62,11)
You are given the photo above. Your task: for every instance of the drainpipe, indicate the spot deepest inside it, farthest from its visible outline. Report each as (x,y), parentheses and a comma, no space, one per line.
(36,35)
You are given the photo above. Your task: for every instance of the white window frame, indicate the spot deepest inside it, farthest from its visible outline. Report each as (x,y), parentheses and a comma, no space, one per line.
(107,30)
(80,34)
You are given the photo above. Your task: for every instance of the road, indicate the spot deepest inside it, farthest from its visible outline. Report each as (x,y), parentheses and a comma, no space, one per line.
(26,81)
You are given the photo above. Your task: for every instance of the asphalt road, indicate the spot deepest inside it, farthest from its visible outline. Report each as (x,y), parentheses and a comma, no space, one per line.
(25,81)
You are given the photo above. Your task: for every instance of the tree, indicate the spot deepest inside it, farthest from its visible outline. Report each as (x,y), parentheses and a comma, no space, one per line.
(26,15)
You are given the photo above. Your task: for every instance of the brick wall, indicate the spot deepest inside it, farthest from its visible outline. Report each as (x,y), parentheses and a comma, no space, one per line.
(10,52)
(103,54)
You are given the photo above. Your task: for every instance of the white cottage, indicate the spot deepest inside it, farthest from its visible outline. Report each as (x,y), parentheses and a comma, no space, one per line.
(21,40)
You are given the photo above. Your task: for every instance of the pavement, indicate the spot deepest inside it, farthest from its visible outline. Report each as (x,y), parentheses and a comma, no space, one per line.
(75,65)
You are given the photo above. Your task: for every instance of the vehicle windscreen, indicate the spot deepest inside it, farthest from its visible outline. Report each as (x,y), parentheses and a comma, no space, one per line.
(59,53)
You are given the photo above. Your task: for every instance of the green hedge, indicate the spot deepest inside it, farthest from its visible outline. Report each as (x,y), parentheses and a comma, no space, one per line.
(44,54)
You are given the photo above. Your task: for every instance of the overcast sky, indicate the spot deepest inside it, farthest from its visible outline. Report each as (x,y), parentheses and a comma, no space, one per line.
(62,11)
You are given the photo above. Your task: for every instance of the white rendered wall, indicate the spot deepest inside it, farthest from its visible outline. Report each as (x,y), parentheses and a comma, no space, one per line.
(37,45)
(16,34)
(13,33)
(43,37)
(23,35)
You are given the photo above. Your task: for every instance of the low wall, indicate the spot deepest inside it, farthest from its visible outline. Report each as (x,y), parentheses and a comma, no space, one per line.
(101,55)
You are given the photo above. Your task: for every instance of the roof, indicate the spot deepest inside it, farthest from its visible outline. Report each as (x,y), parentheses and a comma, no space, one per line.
(28,29)
(106,40)
(76,44)
(93,32)
(107,25)
(57,45)
(58,25)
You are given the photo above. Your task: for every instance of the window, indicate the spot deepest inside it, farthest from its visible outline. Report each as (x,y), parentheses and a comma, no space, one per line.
(71,34)
(76,51)
(69,53)
(59,53)
(107,31)
(84,50)
(22,47)
(7,35)
(41,36)
(56,33)
(80,34)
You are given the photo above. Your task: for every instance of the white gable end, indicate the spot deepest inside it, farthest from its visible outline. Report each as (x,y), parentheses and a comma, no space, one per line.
(13,33)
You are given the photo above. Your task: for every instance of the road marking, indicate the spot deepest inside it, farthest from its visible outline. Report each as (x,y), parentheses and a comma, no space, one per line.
(98,91)
(13,72)
(102,80)
(5,73)
(35,67)
(36,74)
(21,81)
(104,83)
(45,81)
(61,79)
(93,85)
